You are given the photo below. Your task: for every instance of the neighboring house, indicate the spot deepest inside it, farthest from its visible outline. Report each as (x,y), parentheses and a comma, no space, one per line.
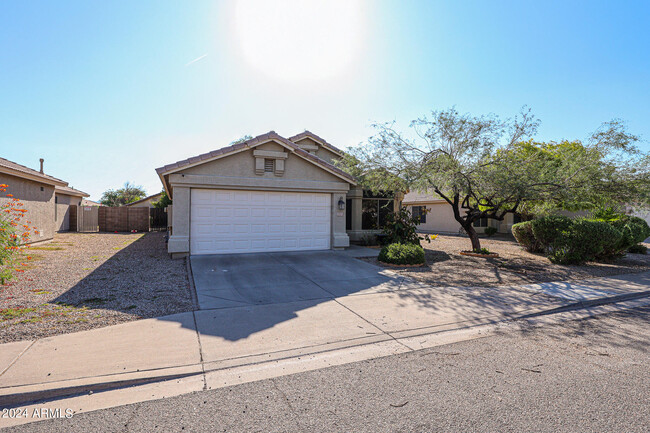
(86,202)
(46,198)
(269,193)
(64,197)
(147,201)
(439,215)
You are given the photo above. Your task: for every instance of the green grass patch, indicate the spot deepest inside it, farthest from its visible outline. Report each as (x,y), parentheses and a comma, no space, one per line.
(47,248)
(41,292)
(32,320)
(13,313)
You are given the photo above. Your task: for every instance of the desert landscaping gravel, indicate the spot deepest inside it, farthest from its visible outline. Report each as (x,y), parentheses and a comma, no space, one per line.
(446,267)
(82,281)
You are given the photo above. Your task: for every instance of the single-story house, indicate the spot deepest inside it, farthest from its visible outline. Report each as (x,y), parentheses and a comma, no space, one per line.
(269,193)
(46,198)
(439,215)
(147,201)
(86,202)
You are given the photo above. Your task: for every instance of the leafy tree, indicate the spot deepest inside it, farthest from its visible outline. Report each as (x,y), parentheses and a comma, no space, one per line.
(122,196)
(163,202)
(484,167)
(241,140)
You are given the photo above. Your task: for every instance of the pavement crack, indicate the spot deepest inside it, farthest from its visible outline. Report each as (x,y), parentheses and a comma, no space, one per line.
(17,357)
(198,339)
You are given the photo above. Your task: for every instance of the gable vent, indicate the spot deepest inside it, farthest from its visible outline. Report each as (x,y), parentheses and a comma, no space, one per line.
(269,165)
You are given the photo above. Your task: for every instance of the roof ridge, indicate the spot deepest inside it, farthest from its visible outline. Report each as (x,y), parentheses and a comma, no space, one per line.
(308,133)
(28,170)
(271,135)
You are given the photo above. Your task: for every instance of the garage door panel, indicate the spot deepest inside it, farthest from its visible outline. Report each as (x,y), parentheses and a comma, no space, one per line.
(225,221)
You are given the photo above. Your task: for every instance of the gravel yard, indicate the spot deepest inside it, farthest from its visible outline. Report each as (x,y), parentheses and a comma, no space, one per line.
(446,267)
(81,281)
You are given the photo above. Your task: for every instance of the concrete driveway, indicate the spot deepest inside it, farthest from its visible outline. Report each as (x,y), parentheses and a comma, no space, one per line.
(227,281)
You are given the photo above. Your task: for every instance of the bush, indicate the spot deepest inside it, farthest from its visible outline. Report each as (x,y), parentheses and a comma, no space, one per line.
(638,249)
(585,240)
(368,240)
(402,254)
(481,251)
(634,229)
(401,228)
(548,231)
(490,231)
(523,233)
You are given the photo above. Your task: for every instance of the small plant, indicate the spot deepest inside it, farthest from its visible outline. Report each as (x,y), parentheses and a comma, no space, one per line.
(402,254)
(15,231)
(368,240)
(482,251)
(638,249)
(490,231)
(523,233)
(401,228)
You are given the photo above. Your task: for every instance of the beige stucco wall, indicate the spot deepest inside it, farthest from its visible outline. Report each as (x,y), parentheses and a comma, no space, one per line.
(237,171)
(146,203)
(62,210)
(321,152)
(440,218)
(39,204)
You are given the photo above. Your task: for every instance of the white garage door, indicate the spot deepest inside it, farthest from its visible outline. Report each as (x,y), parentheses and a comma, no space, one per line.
(225,221)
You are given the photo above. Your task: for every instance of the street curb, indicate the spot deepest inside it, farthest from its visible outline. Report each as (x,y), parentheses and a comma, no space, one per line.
(50,394)
(589,304)
(173,373)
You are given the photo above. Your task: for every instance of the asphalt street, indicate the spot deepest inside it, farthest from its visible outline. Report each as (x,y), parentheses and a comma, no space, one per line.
(589,375)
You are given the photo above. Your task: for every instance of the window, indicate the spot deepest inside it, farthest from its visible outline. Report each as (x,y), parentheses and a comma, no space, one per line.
(516,218)
(421,212)
(483,222)
(374,209)
(269,165)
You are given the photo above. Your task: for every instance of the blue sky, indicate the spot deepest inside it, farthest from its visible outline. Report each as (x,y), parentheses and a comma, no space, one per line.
(108,91)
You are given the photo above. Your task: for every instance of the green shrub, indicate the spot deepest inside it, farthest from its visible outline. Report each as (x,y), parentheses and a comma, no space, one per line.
(368,240)
(638,249)
(401,228)
(583,241)
(481,251)
(402,254)
(634,229)
(490,231)
(523,233)
(549,231)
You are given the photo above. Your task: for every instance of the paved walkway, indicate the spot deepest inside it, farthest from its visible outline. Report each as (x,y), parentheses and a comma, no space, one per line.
(216,347)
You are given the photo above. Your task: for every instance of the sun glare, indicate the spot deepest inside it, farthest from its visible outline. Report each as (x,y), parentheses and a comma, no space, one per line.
(300,40)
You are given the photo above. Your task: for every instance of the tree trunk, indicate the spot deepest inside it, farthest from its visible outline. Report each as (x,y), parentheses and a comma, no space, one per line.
(473,236)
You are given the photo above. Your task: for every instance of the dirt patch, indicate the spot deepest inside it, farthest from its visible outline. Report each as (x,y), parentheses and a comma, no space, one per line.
(514,266)
(82,281)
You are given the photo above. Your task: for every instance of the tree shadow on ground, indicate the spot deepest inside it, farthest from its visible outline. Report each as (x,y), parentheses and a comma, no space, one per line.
(241,295)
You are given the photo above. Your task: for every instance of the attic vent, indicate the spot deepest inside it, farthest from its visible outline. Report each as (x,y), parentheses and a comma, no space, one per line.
(269,165)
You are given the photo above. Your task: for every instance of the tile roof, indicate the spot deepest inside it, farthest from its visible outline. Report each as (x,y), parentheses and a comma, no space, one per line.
(421,197)
(70,191)
(144,199)
(309,134)
(271,135)
(28,171)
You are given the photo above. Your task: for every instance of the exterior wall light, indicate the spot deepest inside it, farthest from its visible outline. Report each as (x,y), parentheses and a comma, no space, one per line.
(341,203)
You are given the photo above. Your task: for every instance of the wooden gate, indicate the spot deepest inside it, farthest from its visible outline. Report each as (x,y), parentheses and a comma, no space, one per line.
(158,219)
(84,219)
